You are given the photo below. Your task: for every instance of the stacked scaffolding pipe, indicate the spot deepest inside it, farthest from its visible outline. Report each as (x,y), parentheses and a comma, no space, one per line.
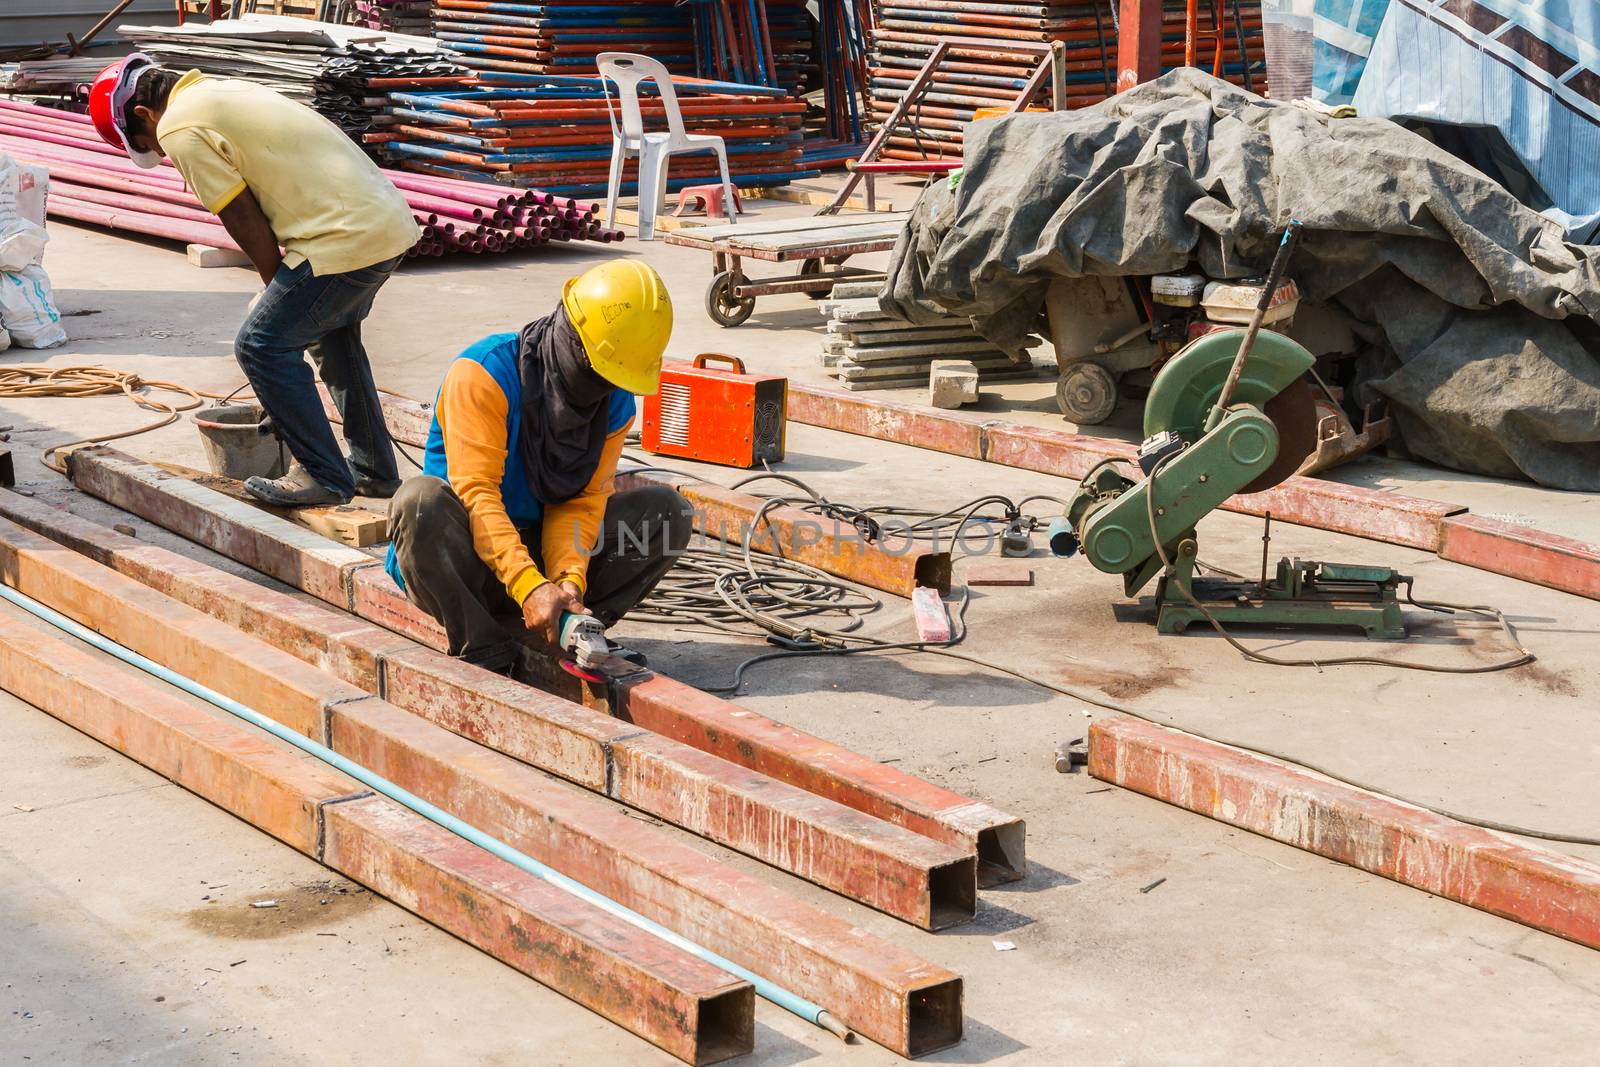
(92,182)
(905,32)
(554,131)
(561,36)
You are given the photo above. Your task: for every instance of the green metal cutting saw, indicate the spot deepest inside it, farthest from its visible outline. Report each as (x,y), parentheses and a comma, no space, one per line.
(1233,412)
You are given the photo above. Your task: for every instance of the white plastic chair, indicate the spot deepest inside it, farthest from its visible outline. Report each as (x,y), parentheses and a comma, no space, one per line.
(626,70)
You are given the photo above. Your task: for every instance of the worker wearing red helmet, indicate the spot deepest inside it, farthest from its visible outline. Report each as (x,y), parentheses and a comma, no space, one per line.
(324,228)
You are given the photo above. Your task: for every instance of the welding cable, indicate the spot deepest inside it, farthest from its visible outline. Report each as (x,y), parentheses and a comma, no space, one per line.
(785,999)
(1524,657)
(37,381)
(847,644)
(709,587)
(937,526)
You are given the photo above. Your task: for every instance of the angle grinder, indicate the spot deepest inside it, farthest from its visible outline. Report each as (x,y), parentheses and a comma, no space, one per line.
(589,654)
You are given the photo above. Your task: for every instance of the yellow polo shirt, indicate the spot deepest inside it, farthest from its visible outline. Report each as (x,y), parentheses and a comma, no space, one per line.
(327,202)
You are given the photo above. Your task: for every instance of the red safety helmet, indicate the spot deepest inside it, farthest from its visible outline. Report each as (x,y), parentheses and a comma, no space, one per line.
(108,99)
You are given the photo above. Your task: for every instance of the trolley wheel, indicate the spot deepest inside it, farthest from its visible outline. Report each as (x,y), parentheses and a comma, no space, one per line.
(723,307)
(809,267)
(1086,393)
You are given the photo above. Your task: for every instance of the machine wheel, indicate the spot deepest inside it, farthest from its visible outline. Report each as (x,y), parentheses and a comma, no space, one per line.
(809,267)
(1086,393)
(722,306)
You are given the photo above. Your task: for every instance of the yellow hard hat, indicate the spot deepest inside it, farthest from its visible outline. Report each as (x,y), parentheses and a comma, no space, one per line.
(623,314)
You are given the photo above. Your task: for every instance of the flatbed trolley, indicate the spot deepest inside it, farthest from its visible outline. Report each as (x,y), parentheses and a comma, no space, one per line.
(819,243)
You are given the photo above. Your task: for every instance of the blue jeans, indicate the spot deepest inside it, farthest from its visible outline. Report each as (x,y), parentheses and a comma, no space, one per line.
(301,313)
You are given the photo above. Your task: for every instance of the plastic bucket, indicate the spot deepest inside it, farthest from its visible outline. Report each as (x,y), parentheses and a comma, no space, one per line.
(235,446)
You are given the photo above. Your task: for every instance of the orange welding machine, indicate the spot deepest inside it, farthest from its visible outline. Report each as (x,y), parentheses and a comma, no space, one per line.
(716,415)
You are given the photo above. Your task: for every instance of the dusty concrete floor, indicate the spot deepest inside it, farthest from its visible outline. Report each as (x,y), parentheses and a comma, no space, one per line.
(1249,951)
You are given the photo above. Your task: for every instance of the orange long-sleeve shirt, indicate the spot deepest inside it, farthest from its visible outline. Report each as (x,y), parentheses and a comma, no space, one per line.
(472,414)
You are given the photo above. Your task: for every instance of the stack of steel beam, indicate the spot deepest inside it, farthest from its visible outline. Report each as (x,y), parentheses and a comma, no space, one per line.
(554,132)
(92,182)
(906,31)
(562,36)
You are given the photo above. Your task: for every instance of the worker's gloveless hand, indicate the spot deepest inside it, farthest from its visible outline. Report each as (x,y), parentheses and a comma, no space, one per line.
(541,612)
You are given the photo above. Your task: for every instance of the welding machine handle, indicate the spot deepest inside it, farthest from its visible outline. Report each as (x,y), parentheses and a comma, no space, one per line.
(734,361)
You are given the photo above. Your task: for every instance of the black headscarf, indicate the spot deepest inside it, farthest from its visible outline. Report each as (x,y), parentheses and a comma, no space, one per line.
(564,409)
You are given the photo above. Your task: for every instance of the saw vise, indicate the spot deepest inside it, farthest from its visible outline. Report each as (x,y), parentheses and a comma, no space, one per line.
(1214,426)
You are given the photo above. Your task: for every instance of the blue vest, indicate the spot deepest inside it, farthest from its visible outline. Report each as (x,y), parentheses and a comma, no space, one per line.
(497,354)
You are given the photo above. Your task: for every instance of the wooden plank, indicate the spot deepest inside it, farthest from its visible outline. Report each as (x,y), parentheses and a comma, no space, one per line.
(788,243)
(796,225)
(345,523)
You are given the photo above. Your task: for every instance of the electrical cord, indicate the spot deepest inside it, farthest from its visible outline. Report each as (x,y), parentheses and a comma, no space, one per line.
(688,602)
(1157,718)
(937,527)
(34,381)
(1487,611)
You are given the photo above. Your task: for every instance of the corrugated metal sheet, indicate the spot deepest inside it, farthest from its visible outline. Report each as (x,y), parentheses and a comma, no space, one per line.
(33,21)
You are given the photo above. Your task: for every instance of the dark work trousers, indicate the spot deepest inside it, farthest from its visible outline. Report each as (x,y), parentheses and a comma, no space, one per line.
(303,314)
(444,576)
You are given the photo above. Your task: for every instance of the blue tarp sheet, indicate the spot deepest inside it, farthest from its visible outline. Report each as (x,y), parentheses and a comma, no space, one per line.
(1512,86)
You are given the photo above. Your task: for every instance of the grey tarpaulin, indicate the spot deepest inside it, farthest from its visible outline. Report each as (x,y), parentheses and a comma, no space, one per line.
(1482,320)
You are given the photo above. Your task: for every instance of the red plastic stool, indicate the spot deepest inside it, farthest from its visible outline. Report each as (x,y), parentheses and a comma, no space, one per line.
(708,198)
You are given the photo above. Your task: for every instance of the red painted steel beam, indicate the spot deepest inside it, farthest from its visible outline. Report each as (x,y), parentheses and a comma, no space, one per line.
(1417,522)
(1138,42)
(926,882)
(689,1008)
(897,999)
(698,1013)
(739,735)
(1547,559)
(1551,891)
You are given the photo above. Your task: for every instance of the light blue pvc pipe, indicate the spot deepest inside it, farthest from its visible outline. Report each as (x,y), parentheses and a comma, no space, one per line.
(813,1013)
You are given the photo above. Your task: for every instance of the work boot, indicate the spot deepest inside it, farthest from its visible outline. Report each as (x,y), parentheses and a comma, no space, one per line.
(297,489)
(376,488)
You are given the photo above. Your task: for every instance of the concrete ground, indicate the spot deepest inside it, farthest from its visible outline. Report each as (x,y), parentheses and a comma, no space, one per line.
(128,937)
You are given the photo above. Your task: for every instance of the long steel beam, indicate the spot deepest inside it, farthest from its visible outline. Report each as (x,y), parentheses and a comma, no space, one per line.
(890,995)
(689,1008)
(352,580)
(1527,883)
(1437,526)
(925,882)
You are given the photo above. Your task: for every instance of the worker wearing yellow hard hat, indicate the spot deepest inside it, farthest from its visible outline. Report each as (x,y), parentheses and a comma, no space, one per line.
(515,510)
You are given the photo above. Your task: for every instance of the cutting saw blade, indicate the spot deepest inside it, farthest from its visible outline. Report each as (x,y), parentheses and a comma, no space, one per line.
(1294,414)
